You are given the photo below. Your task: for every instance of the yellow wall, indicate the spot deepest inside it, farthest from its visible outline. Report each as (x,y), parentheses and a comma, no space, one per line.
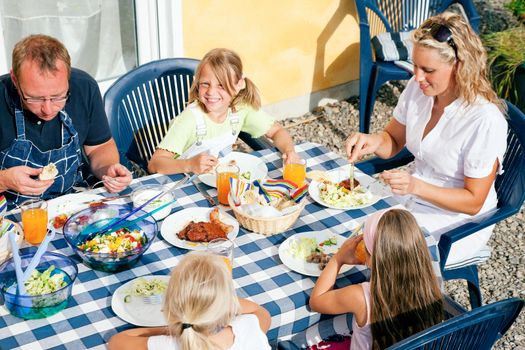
(289,48)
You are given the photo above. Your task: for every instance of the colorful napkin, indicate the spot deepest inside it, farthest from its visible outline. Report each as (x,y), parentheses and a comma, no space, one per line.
(3,205)
(269,189)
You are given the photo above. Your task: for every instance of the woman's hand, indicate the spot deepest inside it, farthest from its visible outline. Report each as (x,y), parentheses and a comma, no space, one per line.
(359,145)
(203,163)
(400,181)
(346,254)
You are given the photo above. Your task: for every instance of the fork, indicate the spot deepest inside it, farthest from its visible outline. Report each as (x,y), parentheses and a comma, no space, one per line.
(152,299)
(351,178)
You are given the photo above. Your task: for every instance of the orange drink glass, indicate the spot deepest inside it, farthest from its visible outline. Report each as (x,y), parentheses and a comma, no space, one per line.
(34,220)
(224,248)
(224,172)
(295,172)
(360,252)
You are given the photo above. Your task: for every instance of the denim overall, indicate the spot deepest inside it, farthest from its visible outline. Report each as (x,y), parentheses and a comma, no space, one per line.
(67,158)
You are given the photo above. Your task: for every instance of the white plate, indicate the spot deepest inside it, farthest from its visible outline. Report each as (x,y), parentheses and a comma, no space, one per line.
(137,312)
(245,162)
(175,222)
(378,190)
(68,204)
(300,265)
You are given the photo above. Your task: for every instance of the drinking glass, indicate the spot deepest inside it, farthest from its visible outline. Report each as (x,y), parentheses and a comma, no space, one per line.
(34,220)
(295,172)
(224,172)
(224,248)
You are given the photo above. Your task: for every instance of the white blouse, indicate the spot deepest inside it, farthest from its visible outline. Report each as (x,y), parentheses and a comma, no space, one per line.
(465,142)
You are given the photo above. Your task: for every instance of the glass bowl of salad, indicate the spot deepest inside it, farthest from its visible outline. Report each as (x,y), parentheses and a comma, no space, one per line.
(144,193)
(115,250)
(48,288)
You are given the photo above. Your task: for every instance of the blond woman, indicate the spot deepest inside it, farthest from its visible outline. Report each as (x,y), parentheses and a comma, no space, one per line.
(452,121)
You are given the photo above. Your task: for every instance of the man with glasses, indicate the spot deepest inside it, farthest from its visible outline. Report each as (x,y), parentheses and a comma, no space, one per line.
(51,113)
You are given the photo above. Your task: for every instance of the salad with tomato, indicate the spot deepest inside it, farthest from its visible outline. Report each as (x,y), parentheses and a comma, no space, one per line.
(120,241)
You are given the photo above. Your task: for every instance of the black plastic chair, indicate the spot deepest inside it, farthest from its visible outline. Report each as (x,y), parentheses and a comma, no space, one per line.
(474,330)
(510,187)
(141,104)
(392,16)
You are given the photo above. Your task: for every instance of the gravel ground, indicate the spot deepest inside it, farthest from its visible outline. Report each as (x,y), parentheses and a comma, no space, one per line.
(503,275)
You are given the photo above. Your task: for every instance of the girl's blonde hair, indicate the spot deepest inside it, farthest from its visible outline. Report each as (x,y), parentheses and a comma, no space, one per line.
(200,300)
(227,66)
(405,293)
(471,71)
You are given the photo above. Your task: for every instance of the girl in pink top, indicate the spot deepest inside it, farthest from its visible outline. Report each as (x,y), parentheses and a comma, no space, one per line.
(403,296)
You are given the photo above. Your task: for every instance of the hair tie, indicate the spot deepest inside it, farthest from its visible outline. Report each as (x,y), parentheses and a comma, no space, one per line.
(186,325)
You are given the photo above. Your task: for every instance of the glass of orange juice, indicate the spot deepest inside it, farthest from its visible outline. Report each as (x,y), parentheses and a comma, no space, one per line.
(224,172)
(295,172)
(224,248)
(34,220)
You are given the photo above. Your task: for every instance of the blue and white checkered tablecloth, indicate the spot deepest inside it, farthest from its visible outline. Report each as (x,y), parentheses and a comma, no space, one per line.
(258,273)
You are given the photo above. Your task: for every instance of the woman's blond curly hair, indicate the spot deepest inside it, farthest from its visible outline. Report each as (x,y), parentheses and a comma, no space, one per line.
(472,70)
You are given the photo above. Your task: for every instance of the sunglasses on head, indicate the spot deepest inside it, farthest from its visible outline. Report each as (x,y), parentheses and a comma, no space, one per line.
(443,34)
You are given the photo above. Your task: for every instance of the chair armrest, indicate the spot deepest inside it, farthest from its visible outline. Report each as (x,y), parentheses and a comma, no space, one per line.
(376,165)
(452,308)
(257,144)
(485,220)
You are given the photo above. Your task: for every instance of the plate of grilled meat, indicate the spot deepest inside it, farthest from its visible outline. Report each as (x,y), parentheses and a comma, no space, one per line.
(193,228)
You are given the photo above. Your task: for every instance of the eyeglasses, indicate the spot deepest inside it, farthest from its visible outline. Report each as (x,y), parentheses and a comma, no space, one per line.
(442,33)
(42,100)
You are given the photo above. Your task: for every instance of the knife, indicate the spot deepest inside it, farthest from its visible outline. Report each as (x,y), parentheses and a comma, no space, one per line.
(203,191)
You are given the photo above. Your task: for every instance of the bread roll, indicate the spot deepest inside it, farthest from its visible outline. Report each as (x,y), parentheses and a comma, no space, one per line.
(48,172)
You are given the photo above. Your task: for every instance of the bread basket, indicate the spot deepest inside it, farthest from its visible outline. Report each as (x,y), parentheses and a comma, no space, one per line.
(5,245)
(266,226)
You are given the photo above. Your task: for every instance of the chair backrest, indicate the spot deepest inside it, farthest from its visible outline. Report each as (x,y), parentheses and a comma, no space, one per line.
(511,184)
(402,15)
(141,104)
(475,330)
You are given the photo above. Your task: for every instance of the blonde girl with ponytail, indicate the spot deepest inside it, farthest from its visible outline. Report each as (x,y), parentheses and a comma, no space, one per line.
(202,312)
(222,103)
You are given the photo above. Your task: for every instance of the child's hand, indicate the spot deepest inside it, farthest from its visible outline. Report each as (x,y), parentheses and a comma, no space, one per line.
(346,254)
(203,163)
(291,157)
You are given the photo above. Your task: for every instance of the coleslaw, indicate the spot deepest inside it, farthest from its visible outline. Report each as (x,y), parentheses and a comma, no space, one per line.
(303,247)
(146,287)
(40,283)
(337,196)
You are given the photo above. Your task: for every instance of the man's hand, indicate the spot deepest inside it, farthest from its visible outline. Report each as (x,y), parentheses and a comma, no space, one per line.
(19,179)
(117,178)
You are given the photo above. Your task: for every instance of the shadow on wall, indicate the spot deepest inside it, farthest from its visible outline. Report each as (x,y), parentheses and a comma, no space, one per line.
(324,76)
